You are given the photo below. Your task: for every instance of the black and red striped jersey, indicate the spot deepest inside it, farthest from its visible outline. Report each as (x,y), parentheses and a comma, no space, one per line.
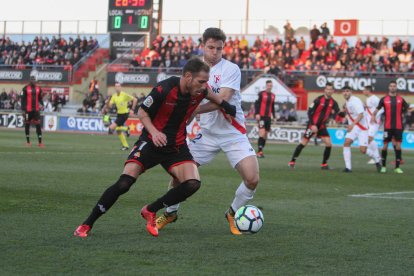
(265,104)
(394,109)
(321,109)
(169,110)
(31,98)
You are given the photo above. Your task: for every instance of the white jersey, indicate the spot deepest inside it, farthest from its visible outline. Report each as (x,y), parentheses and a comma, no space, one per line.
(224,74)
(354,107)
(371,105)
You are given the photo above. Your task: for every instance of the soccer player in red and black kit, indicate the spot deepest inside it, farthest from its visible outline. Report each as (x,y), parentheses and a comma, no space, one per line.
(164,114)
(265,110)
(394,108)
(32,103)
(318,114)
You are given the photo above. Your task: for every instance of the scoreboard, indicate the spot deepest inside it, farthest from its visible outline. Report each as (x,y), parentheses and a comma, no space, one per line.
(133,16)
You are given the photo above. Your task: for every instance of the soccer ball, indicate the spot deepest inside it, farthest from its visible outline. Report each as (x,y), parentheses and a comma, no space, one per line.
(249,219)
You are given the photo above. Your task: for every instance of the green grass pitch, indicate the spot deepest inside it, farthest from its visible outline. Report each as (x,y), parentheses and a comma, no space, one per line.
(312,224)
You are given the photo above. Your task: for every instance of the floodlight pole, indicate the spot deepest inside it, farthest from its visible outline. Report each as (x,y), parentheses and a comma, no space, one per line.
(246,28)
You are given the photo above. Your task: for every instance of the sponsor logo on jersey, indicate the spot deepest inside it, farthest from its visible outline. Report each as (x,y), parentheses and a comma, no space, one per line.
(148,101)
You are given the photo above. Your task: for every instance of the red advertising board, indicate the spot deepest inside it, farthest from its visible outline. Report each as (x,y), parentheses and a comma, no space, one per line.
(346,27)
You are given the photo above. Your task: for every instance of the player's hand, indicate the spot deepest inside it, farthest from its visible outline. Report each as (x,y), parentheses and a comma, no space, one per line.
(131,113)
(372,121)
(191,118)
(349,128)
(159,139)
(228,117)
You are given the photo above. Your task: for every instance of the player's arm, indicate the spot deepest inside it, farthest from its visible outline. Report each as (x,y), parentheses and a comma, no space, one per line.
(158,138)
(257,107)
(377,109)
(40,99)
(134,105)
(217,102)
(273,110)
(23,99)
(108,105)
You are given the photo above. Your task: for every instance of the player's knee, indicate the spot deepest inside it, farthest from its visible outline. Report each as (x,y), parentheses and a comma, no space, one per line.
(125,182)
(363,151)
(252,181)
(189,187)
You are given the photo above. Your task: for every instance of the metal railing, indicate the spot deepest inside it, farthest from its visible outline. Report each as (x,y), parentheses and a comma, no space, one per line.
(380,27)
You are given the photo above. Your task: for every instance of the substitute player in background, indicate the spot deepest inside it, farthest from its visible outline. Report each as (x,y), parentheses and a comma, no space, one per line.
(394,108)
(357,128)
(218,134)
(32,103)
(163,141)
(121,100)
(370,106)
(265,110)
(318,115)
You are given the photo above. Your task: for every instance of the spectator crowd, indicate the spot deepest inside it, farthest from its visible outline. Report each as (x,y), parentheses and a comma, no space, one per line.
(45,51)
(320,51)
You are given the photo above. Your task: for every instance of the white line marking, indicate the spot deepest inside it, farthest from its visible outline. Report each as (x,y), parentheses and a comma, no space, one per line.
(385,195)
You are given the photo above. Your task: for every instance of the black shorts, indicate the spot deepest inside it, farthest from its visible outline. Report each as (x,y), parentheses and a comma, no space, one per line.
(32,117)
(322,132)
(265,123)
(121,119)
(393,133)
(147,155)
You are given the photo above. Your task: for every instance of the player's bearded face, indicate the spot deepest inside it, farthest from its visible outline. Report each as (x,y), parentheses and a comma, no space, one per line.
(347,94)
(392,87)
(198,83)
(213,51)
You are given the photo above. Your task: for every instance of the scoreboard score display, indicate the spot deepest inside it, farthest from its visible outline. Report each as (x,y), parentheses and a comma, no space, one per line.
(133,16)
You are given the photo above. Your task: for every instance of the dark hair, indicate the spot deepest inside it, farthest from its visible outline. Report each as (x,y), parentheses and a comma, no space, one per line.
(269,81)
(369,88)
(214,33)
(195,65)
(329,84)
(346,87)
(393,81)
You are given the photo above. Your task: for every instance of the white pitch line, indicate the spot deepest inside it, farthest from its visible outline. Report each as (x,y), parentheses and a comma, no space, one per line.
(385,195)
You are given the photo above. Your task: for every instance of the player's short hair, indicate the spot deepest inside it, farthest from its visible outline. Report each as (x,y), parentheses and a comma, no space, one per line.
(196,65)
(346,87)
(268,81)
(393,81)
(214,33)
(369,88)
(329,84)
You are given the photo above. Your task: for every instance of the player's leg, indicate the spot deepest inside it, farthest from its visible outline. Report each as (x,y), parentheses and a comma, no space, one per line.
(299,148)
(264,127)
(141,158)
(120,128)
(397,149)
(203,148)
(27,119)
(185,171)
(350,137)
(109,197)
(36,122)
(327,152)
(384,152)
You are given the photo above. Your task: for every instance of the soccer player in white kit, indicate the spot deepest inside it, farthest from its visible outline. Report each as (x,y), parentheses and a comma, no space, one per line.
(357,128)
(371,104)
(218,134)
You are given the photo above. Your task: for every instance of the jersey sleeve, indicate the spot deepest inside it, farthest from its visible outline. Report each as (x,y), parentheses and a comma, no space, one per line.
(312,108)
(257,104)
(24,98)
(405,106)
(380,104)
(231,77)
(128,97)
(155,98)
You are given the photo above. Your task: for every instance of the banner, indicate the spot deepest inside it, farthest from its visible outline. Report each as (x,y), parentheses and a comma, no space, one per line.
(149,78)
(82,124)
(348,27)
(380,84)
(51,74)
(11,120)
(121,43)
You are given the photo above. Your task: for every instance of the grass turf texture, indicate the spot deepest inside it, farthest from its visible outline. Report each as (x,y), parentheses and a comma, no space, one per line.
(312,225)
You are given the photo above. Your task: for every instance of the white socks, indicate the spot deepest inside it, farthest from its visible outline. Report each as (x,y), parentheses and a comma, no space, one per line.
(347,157)
(243,195)
(373,152)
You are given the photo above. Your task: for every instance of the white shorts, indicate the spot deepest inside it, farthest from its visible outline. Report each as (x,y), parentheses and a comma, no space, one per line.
(206,146)
(372,129)
(361,134)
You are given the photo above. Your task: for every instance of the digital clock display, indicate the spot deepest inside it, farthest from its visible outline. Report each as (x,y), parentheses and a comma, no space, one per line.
(130,16)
